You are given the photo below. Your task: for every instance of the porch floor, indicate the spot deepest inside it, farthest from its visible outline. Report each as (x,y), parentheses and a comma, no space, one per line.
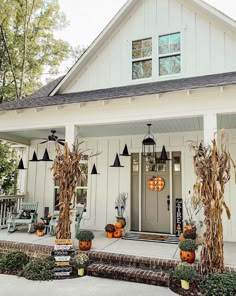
(121,246)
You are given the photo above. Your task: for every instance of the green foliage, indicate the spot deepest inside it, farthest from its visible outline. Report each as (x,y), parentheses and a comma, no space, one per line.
(39,270)
(185,271)
(14,261)
(28,46)
(85,235)
(190,234)
(188,245)
(8,168)
(81,260)
(223,284)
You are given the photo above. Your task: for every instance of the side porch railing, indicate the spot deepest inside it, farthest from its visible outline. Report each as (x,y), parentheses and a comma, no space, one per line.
(8,203)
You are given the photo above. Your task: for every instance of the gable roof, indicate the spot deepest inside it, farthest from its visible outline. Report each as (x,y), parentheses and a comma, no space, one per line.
(160,87)
(117,20)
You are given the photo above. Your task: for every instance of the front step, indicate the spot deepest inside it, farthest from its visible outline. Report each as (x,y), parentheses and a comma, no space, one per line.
(131,274)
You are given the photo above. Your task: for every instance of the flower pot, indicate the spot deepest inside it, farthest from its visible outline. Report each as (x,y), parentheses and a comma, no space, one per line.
(185,284)
(121,220)
(187,256)
(109,234)
(39,233)
(85,246)
(81,272)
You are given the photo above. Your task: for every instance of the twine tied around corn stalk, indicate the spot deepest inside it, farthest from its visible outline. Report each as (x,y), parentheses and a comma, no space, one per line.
(212,166)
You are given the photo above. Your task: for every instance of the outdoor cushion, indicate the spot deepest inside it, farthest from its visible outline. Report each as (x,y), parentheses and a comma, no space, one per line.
(25,214)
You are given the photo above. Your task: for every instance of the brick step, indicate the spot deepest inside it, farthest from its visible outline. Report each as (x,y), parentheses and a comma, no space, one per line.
(130,274)
(157,264)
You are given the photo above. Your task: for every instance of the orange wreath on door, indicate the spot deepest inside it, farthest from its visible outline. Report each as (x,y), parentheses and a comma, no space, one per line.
(156,184)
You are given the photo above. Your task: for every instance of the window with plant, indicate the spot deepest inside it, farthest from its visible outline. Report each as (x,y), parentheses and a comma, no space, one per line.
(142,58)
(169,49)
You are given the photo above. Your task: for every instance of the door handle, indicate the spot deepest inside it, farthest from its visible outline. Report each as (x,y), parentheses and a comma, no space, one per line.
(168,202)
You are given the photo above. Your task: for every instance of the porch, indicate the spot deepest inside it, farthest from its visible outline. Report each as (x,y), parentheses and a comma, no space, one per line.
(118,246)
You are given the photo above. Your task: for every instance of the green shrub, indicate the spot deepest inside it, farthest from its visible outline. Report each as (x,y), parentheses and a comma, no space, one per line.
(223,284)
(39,270)
(185,271)
(188,245)
(85,235)
(13,262)
(81,260)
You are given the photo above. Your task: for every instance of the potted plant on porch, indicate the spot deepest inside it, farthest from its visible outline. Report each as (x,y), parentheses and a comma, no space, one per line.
(120,206)
(187,250)
(80,262)
(186,273)
(39,227)
(85,238)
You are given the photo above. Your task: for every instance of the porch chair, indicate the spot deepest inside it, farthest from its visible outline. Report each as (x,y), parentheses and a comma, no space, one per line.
(27,215)
(53,223)
(79,210)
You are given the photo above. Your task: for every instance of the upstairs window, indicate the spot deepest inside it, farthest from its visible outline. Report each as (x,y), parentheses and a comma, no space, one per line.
(169,54)
(142,58)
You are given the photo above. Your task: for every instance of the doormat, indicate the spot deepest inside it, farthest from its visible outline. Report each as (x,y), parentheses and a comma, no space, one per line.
(156,238)
(153,237)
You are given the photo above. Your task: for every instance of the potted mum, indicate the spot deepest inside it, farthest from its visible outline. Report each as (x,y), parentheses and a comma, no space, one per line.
(110,228)
(187,250)
(39,227)
(80,262)
(186,273)
(85,238)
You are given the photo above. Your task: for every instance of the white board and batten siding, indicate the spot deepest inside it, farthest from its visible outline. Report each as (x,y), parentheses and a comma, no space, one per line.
(207,46)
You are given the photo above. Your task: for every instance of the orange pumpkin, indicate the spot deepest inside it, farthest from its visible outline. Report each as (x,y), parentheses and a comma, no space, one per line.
(117,233)
(118,225)
(187,256)
(85,246)
(39,232)
(156,184)
(181,238)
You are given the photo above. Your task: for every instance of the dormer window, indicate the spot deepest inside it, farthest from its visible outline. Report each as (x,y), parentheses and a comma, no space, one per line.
(142,58)
(169,54)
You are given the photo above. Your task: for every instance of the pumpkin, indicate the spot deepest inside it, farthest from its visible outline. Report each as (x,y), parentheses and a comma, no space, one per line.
(156,184)
(187,256)
(85,246)
(117,233)
(39,232)
(118,225)
(181,238)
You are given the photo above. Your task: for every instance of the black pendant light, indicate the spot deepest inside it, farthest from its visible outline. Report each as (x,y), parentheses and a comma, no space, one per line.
(148,144)
(125,151)
(94,170)
(46,156)
(164,156)
(34,158)
(116,163)
(21,165)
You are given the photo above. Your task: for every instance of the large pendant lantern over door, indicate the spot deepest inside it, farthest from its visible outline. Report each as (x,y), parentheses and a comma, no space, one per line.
(148,144)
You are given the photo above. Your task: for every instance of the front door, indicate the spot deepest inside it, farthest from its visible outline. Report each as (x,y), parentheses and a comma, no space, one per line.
(155,204)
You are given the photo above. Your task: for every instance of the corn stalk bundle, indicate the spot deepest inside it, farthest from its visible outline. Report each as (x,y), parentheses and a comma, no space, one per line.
(66,170)
(212,167)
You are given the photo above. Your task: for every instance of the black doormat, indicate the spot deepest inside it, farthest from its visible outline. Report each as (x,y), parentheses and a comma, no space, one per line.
(149,237)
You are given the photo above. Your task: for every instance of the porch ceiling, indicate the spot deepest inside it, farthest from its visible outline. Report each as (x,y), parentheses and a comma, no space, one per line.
(140,127)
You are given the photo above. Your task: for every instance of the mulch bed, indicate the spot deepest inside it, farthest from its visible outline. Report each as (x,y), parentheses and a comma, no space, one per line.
(175,286)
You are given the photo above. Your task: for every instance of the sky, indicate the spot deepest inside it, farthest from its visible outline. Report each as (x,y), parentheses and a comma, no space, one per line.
(87,18)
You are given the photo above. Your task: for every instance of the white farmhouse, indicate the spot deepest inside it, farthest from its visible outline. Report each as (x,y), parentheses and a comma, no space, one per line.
(170,63)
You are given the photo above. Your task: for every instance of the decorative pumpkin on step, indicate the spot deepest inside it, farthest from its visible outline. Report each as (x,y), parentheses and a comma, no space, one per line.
(118,225)
(187,250)
(85,240)
(117,233)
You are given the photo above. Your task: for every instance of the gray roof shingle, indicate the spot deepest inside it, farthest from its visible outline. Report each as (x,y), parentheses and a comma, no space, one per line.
(124,91)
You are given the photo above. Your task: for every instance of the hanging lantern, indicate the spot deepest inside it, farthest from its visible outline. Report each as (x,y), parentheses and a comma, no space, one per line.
(164,156)
(21,165)
(156,184)
(34,158)
(46,156)
(148,144)
(116,163)
(125,151)
(94,170)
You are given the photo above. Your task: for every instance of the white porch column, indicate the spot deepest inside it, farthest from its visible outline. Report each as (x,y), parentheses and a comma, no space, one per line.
(210,127)
(71,133)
